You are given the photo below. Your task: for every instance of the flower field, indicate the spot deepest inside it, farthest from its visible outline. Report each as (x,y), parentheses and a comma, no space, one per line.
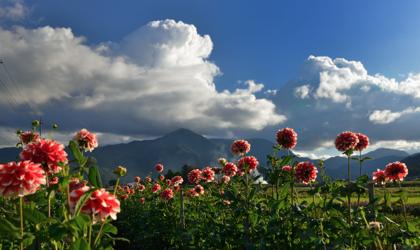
(54,200)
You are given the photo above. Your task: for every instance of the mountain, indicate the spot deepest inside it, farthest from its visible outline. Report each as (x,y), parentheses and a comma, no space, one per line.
(184,147)
(413,165)
(337,166)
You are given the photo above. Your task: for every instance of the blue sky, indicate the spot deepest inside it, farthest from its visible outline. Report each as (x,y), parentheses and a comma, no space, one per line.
(266,41)
(221,68)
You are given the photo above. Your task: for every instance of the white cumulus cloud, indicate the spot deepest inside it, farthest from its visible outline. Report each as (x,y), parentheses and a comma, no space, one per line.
(156,79)
(387,116)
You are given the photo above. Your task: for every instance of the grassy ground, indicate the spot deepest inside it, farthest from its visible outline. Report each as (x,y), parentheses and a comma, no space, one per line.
(413,195)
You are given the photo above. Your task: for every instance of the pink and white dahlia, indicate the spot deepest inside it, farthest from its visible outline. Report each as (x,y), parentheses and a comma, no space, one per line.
(230,169)
(167,194)
(286,168)
(378,177)
(396,171)
(156,188)
(101,204)
(287,138)
(306,172)
(28,137)
(248,164)
(159,168)
(194,176)
(240,147)
(363,142)
(176,181)
(48,153)
(346,141)
(20,178)
(86,140)
(225,179)
(207,174)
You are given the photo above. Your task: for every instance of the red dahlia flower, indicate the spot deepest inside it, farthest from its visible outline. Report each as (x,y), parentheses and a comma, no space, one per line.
(28,137)
(142,200)
(306,172)
(167,194)
(240,147)
(194,176)
(363,142)
(207,174)
(287,138)
(137,179)
(141,188)
(286,168)
(396,171)
(156,188)
(20,178)
(159,168)
(101,204)
(378,177)
(148,179)
(225,179)
(86,140)
(46,152)
(346,141)
(176,181)
(230,169)
(248,164)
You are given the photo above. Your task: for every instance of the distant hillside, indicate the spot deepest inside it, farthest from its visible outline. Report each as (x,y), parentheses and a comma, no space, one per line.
(184,147)
(337,166)
(413,164)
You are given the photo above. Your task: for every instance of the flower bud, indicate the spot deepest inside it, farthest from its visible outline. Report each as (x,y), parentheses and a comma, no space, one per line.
(120,171)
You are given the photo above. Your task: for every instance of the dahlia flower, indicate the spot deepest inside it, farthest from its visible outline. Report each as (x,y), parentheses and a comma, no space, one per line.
(196,191)
(28,137)
(378,177)
(346,141)
(306,172)
(240,147)
(148,179)
(159,168)
(53,181)
(101,204)
(286,168)
(141,187)
(48,153)
(287,138)
(86,140)
(20,178)
(194,176)
(230,169)
(161,177)
(363,142)
(248,164)
(176,181)
(167,194)
(137,179)
(142,200)
(156,188)
(396,171)
(207,174)
(225,179)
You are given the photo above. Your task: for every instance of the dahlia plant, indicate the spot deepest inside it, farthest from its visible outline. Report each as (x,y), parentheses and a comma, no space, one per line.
(57,197)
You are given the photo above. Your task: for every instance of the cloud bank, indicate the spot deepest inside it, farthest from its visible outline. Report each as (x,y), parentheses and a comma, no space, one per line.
(155,79)
(332,95)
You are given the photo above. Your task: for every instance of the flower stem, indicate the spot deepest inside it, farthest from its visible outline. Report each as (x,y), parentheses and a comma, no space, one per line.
(349,191)
(21,221)
(403,205)
(99,233)
(116,185)
(360,174)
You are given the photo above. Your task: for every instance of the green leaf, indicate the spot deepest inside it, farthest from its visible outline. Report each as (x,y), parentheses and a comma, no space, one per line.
(80,244)
(94,176)
(78,155)
(34,215)
(8,230)
(109,228)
